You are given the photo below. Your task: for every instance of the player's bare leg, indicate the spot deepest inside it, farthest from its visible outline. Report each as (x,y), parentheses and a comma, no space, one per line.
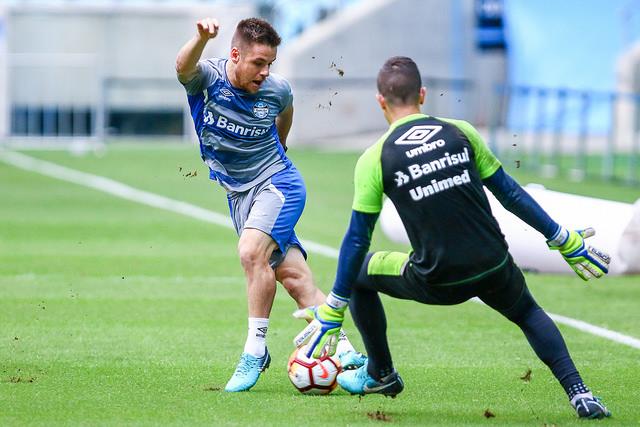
(295,275)
(255,248)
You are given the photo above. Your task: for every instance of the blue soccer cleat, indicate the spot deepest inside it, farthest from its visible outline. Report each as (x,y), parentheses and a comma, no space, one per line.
(589,406)
(351,359)
(358,381)
(248,371)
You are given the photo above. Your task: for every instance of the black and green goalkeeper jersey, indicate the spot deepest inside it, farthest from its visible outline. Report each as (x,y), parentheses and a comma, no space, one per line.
(432,170)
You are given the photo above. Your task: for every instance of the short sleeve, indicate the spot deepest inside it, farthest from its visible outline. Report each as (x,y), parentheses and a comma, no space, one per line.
(207,74)
(368,184)
(287,95)
(486,161)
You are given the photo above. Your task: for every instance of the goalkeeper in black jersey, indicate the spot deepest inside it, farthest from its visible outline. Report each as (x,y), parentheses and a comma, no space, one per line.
(434,170)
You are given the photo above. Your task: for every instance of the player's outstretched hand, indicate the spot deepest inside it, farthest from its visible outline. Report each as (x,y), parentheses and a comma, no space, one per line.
(587,261)
(208,28)
(323,331)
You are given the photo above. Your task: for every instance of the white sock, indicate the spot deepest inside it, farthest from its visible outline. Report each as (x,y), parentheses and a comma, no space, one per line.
(343,343)
(256,336)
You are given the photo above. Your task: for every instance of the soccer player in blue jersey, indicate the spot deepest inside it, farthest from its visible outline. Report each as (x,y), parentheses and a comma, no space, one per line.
(458,251)
(242,114)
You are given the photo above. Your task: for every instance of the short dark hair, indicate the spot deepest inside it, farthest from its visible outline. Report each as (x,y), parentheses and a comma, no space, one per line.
(255,30)
(399,81)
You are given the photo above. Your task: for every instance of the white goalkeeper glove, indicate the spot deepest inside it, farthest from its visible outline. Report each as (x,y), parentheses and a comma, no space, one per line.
(324,330)
(587,261)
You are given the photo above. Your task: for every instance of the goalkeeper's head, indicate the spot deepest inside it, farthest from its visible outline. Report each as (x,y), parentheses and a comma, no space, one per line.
(253,49)
(400,87)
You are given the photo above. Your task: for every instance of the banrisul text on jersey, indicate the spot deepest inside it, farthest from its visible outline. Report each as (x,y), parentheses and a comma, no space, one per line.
(432,170)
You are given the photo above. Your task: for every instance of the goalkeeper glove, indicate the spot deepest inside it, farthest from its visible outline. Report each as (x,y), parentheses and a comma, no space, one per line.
(586,261)
(323,331)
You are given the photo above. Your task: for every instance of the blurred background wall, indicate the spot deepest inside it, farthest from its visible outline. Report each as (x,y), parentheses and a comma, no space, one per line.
(548,80)
(77,68)
(334,64)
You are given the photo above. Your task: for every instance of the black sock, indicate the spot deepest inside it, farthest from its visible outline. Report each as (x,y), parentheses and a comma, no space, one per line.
(368,315)
(384,373)
(545,339)
(543,336)
(577,388)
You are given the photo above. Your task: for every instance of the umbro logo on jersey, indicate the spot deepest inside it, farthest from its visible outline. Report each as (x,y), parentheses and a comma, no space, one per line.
(418,135)
(225,94)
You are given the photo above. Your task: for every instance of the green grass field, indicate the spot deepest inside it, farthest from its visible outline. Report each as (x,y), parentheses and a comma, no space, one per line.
(116,313)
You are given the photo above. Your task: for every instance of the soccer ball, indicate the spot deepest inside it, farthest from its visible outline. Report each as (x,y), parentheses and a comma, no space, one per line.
(313,376)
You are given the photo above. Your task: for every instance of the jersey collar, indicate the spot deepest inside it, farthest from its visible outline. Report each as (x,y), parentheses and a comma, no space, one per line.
(406,119)
(238,90)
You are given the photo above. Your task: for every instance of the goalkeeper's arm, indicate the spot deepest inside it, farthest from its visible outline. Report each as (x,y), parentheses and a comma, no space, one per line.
(323,330)
(353,250)
(586,261)
(517,201)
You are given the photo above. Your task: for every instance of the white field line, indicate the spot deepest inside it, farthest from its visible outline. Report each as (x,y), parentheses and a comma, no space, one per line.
(589,328)
(596,330)
(129,193)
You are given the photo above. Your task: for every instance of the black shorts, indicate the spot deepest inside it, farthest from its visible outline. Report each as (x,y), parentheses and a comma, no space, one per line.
(504,289)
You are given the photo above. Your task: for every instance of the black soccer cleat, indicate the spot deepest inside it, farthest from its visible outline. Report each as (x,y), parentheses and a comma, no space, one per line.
(589,407)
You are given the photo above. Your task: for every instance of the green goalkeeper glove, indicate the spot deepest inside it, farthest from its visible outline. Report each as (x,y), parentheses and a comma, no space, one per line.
(587,261)
(323,331)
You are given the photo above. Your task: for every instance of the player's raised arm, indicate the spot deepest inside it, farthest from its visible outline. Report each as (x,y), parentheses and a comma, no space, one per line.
(190,53)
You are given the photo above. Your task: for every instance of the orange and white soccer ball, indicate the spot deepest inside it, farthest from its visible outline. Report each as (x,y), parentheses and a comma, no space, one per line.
(313,376)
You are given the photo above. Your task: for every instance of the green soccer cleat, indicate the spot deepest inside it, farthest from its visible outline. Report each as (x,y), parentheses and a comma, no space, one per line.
(248,371)
(358,381)
(351,360)
(589,406)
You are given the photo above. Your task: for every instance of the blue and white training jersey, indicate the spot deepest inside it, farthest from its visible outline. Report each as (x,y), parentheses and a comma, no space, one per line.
(237,130)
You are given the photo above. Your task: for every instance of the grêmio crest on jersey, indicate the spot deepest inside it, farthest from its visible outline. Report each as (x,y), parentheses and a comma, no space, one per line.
(260,109)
